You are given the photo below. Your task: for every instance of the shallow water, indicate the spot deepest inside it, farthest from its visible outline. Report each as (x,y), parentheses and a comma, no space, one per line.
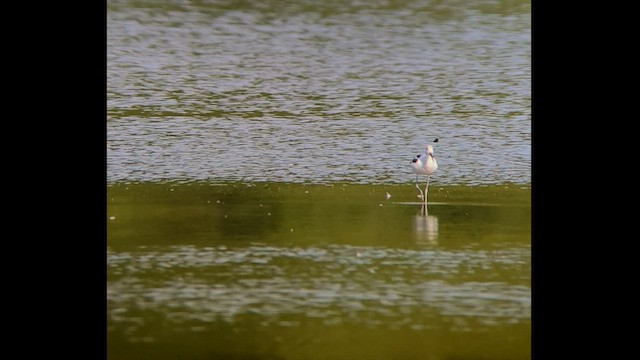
(318,91)
(260,199)
(276,270)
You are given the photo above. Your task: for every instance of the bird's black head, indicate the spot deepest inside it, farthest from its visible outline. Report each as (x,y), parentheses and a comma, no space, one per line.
(436,140)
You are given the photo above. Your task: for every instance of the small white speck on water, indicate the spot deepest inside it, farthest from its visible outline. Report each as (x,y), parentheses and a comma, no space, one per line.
(261,205)
(291,230)
(208,202)
(380,205)
(388,196)
(112,217)
(306,191)
(226,216)
(171,189)
(269,214)
(217,201)
(358,254)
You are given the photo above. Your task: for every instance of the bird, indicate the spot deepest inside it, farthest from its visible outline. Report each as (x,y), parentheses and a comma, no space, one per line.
(425,164)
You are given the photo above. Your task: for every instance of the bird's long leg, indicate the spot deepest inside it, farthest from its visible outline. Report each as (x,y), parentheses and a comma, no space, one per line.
(426,190)
(418,186)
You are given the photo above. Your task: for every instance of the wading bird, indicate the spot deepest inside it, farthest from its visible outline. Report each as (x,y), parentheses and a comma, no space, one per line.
(425,164)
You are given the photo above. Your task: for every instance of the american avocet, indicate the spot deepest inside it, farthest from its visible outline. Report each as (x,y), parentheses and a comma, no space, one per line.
(425,164)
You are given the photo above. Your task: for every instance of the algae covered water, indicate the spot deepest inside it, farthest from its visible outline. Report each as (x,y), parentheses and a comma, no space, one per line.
(291,271)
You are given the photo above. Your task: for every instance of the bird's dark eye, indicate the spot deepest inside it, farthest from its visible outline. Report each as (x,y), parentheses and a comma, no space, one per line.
(414,160)
(417,156)
(436,140)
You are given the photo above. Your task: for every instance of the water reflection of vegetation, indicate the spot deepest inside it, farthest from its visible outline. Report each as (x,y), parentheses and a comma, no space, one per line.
(438,10)
(277,270)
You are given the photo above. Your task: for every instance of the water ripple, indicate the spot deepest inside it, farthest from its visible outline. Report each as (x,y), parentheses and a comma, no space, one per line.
(306,92)
(337,284)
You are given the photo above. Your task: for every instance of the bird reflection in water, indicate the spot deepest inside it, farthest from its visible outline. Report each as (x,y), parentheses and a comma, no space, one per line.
(425,227)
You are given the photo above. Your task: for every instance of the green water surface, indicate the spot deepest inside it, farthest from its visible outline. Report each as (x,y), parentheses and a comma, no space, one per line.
(203,270)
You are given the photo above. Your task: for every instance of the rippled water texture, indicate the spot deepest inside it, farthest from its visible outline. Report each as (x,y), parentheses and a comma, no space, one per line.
(318,91)
(259,197)
(294,271)
(369,286)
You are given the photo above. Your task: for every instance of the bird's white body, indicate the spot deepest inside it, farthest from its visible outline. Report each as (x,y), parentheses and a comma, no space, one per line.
(424,164)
